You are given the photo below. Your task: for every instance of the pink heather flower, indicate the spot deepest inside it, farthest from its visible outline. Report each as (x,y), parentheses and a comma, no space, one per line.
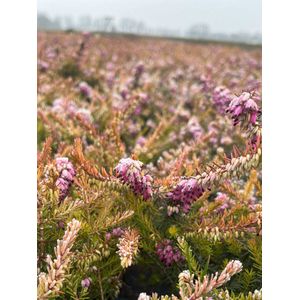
(224,202)
(130,172)
(167,253)
(253,84)
(253,117)
(43,66)
(226,140)
(144,98)
(206,83)
(133,127)
(85,89)
(141,141)
(244,108)
(124,93)
(173,86)
(245,96)
(213,131)
(221,97)
(150,123)
(85,114)
(66,176)
(194,127)
(110,66)
(185,193)
(51,53)
(250,104)
(237,110)
(139,69)
(117,232)
(108,236)
(110,78)
(138,110)
(85,283)
(252,203)
(61,224)
(69,108)
(64,106)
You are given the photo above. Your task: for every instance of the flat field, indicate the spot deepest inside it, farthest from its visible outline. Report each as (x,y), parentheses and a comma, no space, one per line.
(149,168)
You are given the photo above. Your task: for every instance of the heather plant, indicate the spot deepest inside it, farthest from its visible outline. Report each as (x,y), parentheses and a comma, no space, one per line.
(149,169)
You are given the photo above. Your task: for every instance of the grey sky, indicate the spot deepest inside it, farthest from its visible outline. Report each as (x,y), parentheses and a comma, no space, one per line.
(226,16)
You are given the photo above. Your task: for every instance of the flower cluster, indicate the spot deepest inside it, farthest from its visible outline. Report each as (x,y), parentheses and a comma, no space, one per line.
(86,282)
(139,69)
(85,89)
(64,106)
(221,97)
(66,176)
(195,289)
(116,233)
(167,253)
(128,247)
(50,283)
(44,66)
(224,202)
(69,108)
(185,193)
(244,109)
(130,172)
(193,128)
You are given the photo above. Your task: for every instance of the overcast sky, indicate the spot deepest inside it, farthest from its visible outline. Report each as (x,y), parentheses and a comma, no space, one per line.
(226,16)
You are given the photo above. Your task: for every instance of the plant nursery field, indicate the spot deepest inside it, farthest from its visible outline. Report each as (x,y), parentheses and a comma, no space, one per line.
(149,169)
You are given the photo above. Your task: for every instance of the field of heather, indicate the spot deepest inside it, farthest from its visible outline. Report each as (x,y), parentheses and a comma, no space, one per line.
(149,169)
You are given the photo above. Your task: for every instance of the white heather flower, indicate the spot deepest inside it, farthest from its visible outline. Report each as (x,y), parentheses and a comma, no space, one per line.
(128,247)
(257,295)
(195,289)
(185,276)
(143,296)
(237,266)
(51,283)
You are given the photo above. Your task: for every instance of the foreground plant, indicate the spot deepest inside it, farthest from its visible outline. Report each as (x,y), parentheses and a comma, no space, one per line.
(51,282)
(191,288)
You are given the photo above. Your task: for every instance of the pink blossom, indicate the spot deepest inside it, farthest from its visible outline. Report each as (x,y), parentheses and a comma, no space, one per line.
(85,283)
(250,104)
(244,109)
(185,193)
(221,97)
(85,114)
(43,66)
(85,89)
(141,141)
(117,232)
(130,172)
(64,106)
(66,176)
(224,202)
(167,253)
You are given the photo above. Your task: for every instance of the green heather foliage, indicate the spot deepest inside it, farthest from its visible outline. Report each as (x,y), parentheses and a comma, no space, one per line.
(149,164)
